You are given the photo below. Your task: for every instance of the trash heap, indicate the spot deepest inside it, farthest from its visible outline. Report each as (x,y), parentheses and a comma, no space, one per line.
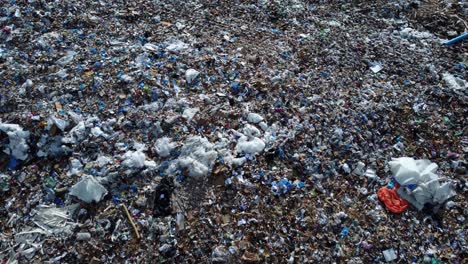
(283,131)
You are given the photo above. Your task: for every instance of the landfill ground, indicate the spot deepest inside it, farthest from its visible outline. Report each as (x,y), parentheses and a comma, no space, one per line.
(232,131)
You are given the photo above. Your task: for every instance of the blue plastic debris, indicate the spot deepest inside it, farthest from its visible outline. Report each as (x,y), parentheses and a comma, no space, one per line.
(391,184)
(102,105)
(276,31)
(13,163)
(281,187)
(235,87)
(344,232)
(300,184)
(324,74)
(456,40)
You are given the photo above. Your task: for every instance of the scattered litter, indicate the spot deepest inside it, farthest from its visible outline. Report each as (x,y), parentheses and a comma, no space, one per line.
(284,131)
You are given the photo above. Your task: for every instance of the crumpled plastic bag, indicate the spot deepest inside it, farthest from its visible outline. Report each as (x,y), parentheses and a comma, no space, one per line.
(88,190)
(191,75)
(393,202)
(407,171)
(419,182)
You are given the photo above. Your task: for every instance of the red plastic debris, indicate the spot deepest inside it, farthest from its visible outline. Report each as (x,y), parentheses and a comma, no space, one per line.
(392,200)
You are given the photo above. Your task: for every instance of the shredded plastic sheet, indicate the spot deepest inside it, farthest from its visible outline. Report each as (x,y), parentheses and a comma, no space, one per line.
(189,113)
(389,255)
(55,220)
(454,83)
(419,182)
(176,45)
(101,161)
(306,117)
(60,123)
(76,134)
(75,167)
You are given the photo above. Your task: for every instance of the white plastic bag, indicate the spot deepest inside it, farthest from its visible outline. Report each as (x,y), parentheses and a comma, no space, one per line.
(88,190)
(419,181)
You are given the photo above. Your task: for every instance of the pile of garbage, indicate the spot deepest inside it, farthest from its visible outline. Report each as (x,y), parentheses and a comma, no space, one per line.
(232,132)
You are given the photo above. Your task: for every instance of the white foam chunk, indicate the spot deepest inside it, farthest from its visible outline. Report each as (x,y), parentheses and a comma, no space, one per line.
(164,146)
(251,131)
(198,156)
(253,145)
(254,118)
(17,146)
(191,75)
(134,159)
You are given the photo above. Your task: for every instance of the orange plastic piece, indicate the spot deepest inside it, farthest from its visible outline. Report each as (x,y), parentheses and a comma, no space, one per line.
(392,200)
